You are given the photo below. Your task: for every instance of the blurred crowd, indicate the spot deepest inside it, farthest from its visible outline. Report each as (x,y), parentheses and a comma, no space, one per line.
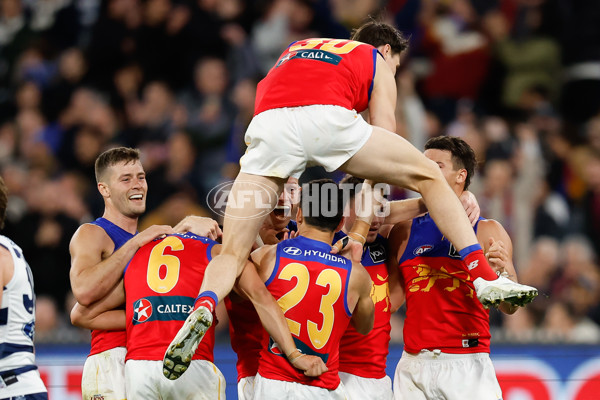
(519,80)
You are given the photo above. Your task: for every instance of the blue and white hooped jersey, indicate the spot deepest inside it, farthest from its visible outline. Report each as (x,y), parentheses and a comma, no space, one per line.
(17,313)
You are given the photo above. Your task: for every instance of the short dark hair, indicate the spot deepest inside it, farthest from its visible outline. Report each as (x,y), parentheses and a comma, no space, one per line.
(3,202)
(377,33)
(354,182)
(112,157)
(322,204)
(463,155)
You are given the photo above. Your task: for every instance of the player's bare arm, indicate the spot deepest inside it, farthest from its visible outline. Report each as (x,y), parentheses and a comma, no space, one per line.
(403,210)
(113,320)
(471,206)
(382,106)
(498,248)
(497,255)
(103,314)
(95,269)
(264,259)
(397,241)
(359,289)
(397,296)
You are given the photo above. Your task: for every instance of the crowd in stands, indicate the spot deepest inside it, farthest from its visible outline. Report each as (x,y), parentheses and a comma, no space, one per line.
(519,80)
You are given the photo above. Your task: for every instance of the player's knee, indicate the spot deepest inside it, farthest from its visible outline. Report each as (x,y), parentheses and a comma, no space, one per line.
(428,173)
(238,253)
(235,258)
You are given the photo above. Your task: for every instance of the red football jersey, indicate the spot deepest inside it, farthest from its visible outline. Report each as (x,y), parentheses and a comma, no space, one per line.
(442,310)
(106,340)
(162,281)
(311,286)
(319,71)
(366,355)
(247,336)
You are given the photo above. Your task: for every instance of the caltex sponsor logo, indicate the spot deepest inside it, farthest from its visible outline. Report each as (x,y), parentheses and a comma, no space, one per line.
(142,310)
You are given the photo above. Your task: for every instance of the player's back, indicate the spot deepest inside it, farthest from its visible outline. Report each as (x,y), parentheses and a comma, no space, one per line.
(161,284)
(319,71)
(17,326)
(442,309)
(311,286)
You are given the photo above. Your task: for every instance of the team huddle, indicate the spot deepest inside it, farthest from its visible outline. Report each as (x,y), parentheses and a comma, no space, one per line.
(309,292)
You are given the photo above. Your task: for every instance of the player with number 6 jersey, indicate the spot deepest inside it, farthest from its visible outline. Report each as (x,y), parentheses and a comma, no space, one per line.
(158,289)
(161,283)
(99,252)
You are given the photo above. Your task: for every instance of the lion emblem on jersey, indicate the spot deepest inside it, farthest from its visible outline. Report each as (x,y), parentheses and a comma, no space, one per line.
(432,275)
(381,292)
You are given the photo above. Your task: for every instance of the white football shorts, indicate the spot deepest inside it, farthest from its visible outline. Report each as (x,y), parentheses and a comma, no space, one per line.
(436,375)
(271,389)
(104,375)
(246,388)
(359,388)
(145,380)
(282,142)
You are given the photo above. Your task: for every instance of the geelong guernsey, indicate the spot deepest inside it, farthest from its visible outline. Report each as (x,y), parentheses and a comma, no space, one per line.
(17,326)
(17,313)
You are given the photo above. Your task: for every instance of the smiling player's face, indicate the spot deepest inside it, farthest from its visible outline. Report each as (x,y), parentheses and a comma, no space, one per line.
(128,187)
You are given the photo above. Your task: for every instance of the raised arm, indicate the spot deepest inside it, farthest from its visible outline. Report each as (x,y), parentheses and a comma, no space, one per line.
(397,241)
(404,210)
(397,295)
(95,269)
